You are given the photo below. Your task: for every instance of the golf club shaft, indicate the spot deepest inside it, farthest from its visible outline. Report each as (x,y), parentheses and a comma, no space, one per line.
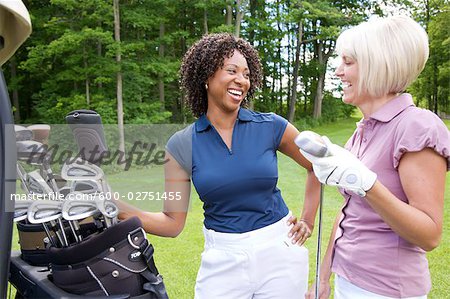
(57,232)
(49,173)
(76,225)
(319,239)
(50,238)
(75,231)
(63,233)
(23,177)
(107,221)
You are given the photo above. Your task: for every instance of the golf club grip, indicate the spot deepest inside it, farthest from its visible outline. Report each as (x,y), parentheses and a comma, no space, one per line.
(311,143)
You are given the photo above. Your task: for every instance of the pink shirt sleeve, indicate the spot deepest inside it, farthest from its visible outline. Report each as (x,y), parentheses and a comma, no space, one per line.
(422,129)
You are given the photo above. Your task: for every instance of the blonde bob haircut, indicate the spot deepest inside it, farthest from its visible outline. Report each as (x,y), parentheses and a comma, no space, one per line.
(390,52)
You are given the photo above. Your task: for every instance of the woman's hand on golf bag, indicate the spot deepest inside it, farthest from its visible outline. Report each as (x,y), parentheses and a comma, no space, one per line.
(301,230)
(324,290)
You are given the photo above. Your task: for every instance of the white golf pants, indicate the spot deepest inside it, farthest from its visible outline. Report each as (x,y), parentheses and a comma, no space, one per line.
(344,289)
(258,264)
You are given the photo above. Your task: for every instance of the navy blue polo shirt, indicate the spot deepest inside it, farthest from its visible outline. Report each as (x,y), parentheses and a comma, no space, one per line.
(238,186)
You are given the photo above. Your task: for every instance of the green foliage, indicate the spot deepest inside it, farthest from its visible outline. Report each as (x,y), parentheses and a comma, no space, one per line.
(334,109)
(70,60)
(145,113)
(432,88)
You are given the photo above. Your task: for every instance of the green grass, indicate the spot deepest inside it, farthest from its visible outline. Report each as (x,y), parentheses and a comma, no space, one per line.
(178,259)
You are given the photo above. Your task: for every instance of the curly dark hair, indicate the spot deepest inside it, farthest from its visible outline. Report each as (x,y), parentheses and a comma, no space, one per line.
(204,58)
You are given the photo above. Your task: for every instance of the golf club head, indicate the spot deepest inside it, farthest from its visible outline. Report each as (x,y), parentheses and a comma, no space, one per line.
(37,184)
(40,133)
(31,151)
(22,133)
(79,170)
(21,209)
(107,207)
(44,211)
(87,129)
(78,209)
(86,186)
(60,181)
(64,191)
(312,143)
(20,215)
(109,210)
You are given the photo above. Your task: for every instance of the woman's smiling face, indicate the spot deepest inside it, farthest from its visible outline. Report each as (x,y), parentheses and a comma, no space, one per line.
(229,85)
(348,72)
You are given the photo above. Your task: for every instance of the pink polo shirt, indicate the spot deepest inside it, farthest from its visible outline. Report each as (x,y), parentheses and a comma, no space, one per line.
(367,251)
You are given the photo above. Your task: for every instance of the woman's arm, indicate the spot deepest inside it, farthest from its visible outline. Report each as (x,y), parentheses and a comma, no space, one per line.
(312,188)
(422,176)
(170,222)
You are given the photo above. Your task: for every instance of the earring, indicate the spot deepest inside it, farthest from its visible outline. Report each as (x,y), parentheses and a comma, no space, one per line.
(206,86)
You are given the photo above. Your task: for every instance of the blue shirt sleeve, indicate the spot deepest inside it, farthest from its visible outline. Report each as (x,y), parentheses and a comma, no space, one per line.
(180,147)
(279,126)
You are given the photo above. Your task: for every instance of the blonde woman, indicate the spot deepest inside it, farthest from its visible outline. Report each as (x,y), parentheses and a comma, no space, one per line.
(391,172)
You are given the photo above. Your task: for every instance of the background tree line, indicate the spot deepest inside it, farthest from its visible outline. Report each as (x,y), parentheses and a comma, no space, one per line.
(121,58)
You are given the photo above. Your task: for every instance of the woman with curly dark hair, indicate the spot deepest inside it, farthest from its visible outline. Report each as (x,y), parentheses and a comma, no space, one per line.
(204,58)
(253,246)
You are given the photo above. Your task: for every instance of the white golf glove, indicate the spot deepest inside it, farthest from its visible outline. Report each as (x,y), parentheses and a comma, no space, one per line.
(341,168)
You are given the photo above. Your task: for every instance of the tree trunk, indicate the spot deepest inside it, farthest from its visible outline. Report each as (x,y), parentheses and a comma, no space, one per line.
(205,20)
(430,102)
(293,98)
(119,79)
(320,83)
(229,16)
(99,54)
(430,96)
(264,79)
(319,96)
(251,34)
(280,63)
(315,78)
(272,88)
(290,62)
(15,92)
(86,80)
(306,82)
(435,87)
(239,16)
(161,56)
(323,59)
(183,49)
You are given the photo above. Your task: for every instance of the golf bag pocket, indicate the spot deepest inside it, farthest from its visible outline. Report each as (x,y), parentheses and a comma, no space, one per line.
(32,245)
(117,261)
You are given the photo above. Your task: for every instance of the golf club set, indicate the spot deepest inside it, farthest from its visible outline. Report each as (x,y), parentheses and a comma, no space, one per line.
(60,210)
(67,223)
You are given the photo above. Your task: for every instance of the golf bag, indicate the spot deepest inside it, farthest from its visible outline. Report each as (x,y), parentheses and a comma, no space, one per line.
(118,261)
(32,245)
(34,241)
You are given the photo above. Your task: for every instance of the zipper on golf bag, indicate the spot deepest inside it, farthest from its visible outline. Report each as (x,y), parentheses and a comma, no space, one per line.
(115,262)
